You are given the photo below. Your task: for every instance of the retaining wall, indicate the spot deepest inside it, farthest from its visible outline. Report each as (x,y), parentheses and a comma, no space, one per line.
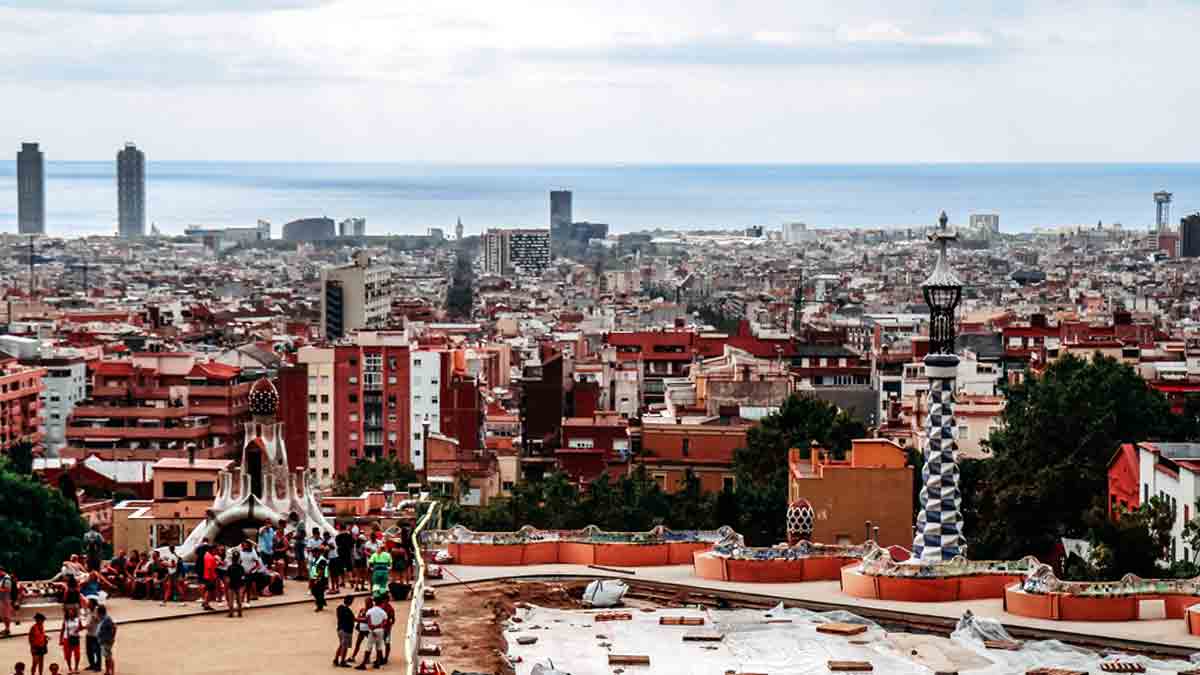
(925,589)
(613,554)
(1069,607)
(708,565)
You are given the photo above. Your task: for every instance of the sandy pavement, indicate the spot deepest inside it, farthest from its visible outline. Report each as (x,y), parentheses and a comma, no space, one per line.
(283,639)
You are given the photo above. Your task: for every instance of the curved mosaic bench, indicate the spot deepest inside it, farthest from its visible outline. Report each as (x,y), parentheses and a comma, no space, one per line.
(805,561)
(880,577)
(589,546)
(1043,595)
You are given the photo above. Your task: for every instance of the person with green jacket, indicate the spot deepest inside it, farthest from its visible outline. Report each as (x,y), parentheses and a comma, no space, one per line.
(380,564)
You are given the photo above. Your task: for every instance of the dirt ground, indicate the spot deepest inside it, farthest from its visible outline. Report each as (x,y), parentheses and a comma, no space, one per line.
(472,619)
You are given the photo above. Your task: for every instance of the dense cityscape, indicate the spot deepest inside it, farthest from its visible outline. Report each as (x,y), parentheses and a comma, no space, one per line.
(782,403)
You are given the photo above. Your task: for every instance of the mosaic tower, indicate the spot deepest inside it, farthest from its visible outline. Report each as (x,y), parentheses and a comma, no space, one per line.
(939,523)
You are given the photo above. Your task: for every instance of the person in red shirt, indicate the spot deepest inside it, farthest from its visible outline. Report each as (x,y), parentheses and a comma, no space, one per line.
(39,643)
(209,575)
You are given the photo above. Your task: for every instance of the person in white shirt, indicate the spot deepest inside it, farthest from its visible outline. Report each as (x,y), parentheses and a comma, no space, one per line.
(71,628)
(252,567)
(376,622)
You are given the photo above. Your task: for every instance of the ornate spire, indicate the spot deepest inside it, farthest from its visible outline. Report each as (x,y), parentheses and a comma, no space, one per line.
(942,291)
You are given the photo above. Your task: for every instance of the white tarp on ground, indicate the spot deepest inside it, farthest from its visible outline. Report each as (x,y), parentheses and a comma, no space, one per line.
(604,592)
(573,642)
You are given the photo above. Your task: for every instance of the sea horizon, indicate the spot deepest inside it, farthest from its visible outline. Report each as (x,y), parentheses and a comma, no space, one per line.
(410,197)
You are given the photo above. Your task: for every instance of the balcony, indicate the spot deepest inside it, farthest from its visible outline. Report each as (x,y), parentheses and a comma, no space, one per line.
(131,412)
(192,433)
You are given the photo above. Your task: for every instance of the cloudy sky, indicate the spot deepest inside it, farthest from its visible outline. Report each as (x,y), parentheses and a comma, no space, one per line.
(604,81)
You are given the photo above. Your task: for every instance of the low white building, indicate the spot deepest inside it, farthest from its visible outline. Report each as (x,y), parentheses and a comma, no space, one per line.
(1171,471)
(424,392)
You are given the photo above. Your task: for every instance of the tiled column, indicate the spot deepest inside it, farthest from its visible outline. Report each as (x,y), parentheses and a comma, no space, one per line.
(939,523)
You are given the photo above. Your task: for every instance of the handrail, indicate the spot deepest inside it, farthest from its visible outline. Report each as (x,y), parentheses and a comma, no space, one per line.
(412,632)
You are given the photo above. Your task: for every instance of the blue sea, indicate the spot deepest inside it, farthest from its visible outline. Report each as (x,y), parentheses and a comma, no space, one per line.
(409,198)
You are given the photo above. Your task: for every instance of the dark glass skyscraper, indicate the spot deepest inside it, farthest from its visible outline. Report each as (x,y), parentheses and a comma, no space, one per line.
(31,190)
(560,209)
(131,192)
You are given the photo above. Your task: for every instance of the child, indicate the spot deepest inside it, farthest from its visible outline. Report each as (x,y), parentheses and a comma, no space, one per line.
(69,639)
(19,668)
(236,577)
(38,642)
(345,631)
(53,669)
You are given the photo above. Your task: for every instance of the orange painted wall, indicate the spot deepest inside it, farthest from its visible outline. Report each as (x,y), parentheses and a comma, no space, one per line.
(912,589)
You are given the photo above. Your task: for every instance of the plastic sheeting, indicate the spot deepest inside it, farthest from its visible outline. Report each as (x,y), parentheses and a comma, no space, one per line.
(605,592)
(573,642)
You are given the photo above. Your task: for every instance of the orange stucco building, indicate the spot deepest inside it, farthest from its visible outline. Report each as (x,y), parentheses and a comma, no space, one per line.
(873,484)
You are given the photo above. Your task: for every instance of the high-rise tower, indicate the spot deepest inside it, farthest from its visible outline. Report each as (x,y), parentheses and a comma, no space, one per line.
(31,190)
(1162,211)
(560,209)
(131,192)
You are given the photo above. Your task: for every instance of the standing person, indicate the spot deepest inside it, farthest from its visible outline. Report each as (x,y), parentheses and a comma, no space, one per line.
(208,573)
(345,631)
(235,578)
(91,624)
(69,639)
(386,604)
(70,600)
(359,562)
(361,627)
(376,619)
(344,541)
(107,635)
(381,571)
(93,541)
(281,547)
(266,544)
(7,612)
(298,537)
(171,565)
(251,567)
(318,579)
(198,557)
(38,643)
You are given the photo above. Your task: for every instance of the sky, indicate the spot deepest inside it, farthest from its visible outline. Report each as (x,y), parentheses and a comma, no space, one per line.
(611,81)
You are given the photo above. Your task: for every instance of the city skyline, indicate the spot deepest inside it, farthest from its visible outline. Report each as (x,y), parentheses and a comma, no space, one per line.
(707,82)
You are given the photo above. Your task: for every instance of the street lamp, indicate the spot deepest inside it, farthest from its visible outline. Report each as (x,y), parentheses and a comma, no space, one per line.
(943,292)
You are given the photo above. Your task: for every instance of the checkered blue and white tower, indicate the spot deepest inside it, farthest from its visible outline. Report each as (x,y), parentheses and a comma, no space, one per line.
(939,523)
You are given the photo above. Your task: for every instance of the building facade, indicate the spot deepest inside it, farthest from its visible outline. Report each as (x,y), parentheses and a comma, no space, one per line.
(131,192)
(66,386)
(1189,234)
(560,209)
(988,222)
(355,296)
(31,190)
(318,363)
(426,395)
(21,388)
(522,252)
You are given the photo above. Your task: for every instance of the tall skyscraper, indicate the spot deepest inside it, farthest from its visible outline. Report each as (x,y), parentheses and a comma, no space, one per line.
(131,192)
(31,190)
(1189,231)
(1162,211)
(560,209)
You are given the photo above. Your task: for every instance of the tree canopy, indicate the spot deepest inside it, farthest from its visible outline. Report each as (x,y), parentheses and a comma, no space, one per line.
(372,474)
(1050,454)
(38,525)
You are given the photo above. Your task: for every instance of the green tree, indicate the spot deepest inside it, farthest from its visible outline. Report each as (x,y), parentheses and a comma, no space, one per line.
(690,507)
(1050,454)
(39,527)
(20,458)
(1134,541)
(761,468)
(372,474)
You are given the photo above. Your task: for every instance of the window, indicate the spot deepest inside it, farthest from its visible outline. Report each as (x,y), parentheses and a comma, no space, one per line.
(312,379)
(964,432)
(353,362)
(581,443)
(325,398)
(325,472)
(324,379)
(392,419)
(391,379)
(687,442)
(354,452)
(324,435)
(728,483)
(661,480)
(312,454)
(434,400)
(416,363)
(204,488)
(325,453)
(392,436)
(312,417)
(312,435)
(354,435)
(392,363)
(324,417)
(175,489)
(312,398)
(417,436)
(1145,493)
(353,398)
(353,417)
